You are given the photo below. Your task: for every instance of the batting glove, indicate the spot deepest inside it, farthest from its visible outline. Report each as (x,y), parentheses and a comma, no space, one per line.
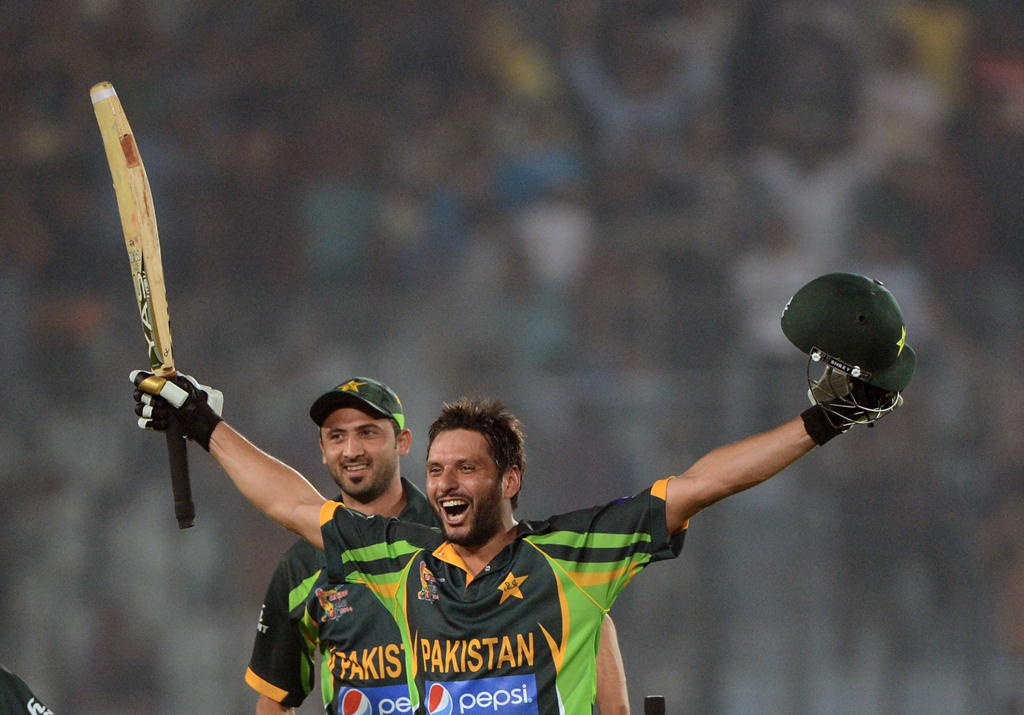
(840,402)
(197,407)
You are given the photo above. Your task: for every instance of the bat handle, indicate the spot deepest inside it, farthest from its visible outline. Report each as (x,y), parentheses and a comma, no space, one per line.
(177,451)
(654,705)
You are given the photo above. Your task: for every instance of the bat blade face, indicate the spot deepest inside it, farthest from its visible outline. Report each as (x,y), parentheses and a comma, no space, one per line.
(138,220)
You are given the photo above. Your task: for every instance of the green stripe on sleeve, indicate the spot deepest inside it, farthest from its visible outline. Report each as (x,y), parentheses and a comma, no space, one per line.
(592,540)
(300,593)
(602,566)
(376,552)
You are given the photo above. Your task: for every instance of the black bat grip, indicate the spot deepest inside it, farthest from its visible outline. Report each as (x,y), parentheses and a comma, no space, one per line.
(177,452)
(654,705)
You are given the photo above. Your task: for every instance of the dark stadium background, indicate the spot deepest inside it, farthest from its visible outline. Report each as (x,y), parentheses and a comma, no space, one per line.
(595,211)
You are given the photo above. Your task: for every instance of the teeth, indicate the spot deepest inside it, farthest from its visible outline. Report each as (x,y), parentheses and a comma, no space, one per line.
(454,502)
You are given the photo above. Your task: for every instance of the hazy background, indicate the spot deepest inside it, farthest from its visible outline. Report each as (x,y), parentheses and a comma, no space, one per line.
(595,211)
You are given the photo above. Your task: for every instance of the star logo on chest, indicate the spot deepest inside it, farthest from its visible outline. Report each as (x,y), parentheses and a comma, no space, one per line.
(510,587)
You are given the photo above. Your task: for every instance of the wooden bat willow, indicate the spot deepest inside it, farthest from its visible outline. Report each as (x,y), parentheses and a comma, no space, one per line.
(138,219)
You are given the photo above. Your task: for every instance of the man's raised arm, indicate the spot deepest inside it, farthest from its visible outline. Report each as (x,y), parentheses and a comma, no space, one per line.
(272,486)
(852,330)
(734,468)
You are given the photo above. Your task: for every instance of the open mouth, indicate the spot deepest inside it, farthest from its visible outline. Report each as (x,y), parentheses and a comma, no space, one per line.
(454,508)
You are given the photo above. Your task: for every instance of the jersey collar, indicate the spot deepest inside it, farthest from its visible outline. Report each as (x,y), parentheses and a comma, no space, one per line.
(446,552)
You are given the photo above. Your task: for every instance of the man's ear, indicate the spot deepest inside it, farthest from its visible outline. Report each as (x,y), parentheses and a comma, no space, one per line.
(404,442)
(513,482)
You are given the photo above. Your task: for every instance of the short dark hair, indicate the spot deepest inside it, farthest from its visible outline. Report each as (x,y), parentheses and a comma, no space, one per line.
(502,430)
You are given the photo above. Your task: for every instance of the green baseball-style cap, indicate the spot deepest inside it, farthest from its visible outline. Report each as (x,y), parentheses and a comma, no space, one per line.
(854,324)
(368,395)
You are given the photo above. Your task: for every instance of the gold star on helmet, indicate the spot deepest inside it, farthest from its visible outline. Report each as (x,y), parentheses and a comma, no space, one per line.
(902,341)
(510,587)
(350,386)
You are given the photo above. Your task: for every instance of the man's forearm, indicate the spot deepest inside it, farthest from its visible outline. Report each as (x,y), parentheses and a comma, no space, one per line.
(266,706)
(272,486)
(734,468)
(612,694)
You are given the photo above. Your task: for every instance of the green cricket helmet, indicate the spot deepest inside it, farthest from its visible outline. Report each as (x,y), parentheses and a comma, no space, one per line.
(853,328)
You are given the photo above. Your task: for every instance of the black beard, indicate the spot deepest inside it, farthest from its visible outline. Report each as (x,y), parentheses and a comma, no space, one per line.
(486,522)
(371,488)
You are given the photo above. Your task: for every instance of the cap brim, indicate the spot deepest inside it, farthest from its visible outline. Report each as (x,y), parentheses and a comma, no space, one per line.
(328,403)
(897,377)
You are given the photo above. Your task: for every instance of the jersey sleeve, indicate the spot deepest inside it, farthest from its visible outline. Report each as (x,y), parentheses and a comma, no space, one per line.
(372,550)
(601,549)
(16,697)
(281,666)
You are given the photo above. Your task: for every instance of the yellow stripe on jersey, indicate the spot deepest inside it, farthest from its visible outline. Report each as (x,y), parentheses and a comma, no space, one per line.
(446,552)
(558,651)
(560,567)
(660,490)
(401,616)
(263,687)
(383,590)
(327,511)
(599,578)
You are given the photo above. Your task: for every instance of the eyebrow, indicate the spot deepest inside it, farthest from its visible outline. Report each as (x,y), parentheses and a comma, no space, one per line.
(365,425)
(458,462)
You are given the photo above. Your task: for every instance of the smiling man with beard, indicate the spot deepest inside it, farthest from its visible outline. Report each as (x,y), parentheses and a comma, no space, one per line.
(362,438)
(501,615)
(496,613)
(493,614)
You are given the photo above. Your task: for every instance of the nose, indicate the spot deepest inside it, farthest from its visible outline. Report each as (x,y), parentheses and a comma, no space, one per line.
(351,447)
(447,481)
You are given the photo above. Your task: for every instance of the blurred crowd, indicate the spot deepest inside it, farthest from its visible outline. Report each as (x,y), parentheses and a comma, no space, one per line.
(593,209)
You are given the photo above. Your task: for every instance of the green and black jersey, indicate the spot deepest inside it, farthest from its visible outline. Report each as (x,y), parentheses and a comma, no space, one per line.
(16,698)
(361,647)
(521,636)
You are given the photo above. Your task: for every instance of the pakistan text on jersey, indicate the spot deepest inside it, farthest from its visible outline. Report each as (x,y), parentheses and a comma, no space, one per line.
(376,663)
(475,654)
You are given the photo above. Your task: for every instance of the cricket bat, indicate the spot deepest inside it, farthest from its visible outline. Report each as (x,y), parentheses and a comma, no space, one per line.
(138,219)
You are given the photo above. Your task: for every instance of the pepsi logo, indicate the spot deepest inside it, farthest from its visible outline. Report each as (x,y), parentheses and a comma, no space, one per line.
(355,702)
(439,700)
(507,695)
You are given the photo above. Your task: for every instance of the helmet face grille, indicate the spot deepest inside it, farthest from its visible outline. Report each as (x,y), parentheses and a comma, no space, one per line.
(846,400)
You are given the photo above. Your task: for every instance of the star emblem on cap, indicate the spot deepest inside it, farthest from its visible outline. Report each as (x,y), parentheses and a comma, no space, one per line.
(510,587)
(902,341)
(350,386)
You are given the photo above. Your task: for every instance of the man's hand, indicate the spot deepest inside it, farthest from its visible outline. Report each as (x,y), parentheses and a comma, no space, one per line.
(841,401)
(197,407)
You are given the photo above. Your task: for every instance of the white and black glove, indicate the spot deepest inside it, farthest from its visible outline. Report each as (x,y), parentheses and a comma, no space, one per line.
(196,407)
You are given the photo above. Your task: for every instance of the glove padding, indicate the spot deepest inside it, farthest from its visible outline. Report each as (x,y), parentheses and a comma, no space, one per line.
(819,426)
(196,407)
